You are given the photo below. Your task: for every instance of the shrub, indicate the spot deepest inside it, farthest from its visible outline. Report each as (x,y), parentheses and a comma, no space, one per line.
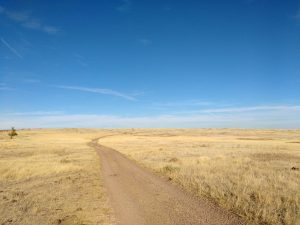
(12,133)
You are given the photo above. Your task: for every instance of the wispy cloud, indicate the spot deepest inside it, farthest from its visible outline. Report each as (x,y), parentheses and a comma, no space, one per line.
(98,91)
(12,49)
(125,6)
(4,87)
(251,109)
(280,116)
(185,103)
(145,41)
(236,110)
(17,16)
(6,57)
(50,29)
(80,60)
(27,21)
(288,118)
(31,80)
(190,104)
(38,113)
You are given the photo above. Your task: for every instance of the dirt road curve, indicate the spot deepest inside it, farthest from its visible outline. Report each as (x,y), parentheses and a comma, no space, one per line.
(142,198)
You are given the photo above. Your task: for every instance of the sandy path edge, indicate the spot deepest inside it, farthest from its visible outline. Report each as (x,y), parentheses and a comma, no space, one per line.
(142,198)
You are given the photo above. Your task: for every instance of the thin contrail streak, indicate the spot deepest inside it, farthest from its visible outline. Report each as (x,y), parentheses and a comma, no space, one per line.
(13,50)
(99,91)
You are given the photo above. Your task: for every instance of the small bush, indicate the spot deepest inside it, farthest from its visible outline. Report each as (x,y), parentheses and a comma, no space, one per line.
(12,133)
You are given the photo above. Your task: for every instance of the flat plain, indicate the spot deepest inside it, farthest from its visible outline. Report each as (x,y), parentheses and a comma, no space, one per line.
(52,176)
(254,173)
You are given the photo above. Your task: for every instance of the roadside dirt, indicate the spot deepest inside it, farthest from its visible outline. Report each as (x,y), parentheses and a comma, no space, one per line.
(139,197)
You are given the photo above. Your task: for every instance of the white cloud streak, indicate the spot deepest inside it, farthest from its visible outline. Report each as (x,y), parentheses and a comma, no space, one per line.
(50,29)
(145,41)
(125,6)
(185,103)
(37,113)
(80,60)
(251,109)
(98,91)
(17,16)
(4,87)
(233,110)
(12,49)
(25,20)
(274,117)
(31,81)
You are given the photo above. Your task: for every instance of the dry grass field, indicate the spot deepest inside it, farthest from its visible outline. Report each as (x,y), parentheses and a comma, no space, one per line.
(51,177)
(254,173)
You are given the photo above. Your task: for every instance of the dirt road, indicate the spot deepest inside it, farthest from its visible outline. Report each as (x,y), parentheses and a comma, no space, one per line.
(142,198)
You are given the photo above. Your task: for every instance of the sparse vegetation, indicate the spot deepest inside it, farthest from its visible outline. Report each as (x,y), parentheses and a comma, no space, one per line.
(252,172)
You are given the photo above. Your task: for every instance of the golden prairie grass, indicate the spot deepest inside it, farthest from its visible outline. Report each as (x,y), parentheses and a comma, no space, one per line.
(51,177)
(254,173)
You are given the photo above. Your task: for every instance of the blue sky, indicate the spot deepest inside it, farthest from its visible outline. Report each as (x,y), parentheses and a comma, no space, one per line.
(158,63)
